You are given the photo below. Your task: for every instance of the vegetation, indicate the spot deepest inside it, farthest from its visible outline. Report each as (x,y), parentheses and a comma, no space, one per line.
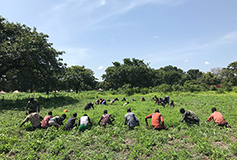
(28,62)
(179,141)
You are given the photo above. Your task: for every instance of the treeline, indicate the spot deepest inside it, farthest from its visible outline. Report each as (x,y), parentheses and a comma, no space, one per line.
(134,76)
(28,62)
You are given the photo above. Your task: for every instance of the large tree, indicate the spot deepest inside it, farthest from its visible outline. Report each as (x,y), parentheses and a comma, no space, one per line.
(27,56)
(79,78)
(134,72)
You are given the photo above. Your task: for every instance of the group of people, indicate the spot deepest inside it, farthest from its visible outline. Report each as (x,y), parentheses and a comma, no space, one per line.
(192,118)
(130,119)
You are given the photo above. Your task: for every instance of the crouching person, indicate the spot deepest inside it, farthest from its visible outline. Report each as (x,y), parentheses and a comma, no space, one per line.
(218,118)
(71,122)
(45,121)
(57,121)
(189,117)
(106,119)
(130,119)
(34,118)
(157,120)
(85,123)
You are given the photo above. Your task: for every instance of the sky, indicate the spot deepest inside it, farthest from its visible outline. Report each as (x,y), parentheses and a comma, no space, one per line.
(188,34)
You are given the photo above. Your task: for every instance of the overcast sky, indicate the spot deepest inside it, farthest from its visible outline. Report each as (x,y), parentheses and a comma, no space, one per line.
(188,34)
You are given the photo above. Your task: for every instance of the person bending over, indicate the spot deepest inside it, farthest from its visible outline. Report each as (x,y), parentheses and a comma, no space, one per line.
(157,120)
(34,118)
(84,123)
(71,122)
(106,119)
(218,118)
(189,117)
(130,119)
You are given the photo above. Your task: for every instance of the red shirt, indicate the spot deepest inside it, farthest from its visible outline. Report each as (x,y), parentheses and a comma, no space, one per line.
(157,118)
(217,117)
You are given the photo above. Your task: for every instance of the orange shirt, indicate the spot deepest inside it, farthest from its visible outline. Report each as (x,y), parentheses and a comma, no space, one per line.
(217,117)
(157,118)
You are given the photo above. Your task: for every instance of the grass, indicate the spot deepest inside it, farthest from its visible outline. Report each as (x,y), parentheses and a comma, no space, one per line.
(179,141)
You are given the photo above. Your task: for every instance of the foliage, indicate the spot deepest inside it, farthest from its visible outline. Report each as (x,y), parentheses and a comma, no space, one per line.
(78,78)
(27,60)
(179,141)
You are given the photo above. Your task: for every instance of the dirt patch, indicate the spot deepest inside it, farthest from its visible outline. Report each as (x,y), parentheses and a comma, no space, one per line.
(233,138)
(220,145)
(129,142)
(12,154)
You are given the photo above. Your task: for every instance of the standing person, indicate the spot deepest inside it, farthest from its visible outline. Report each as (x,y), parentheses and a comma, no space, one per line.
(106,119)
(218,118)
(189,116)
(157,120)
(57,121)
(84,123)
(130,119)
(32,106)
(71,122)
(45,121)
(34,118)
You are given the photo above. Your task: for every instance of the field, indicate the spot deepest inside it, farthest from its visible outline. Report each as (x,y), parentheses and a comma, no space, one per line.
(178,141)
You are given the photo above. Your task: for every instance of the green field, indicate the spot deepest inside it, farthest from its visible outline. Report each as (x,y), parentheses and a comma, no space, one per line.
(179,141)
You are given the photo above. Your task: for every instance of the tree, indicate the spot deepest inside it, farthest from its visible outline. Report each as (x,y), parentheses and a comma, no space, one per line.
(79,78)
(134,72)
(194,73)
(28,56)
(217,71)
(172,75)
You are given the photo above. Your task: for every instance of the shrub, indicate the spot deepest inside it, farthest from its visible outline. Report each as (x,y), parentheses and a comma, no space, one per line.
(165,88)
(144,90)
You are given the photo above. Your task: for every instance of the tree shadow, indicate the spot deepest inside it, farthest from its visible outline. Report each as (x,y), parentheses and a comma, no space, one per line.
(52,102)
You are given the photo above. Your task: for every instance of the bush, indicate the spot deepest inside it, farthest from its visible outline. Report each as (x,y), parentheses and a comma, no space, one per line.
(144,90)
(129,92)
(165,88)
(234,89)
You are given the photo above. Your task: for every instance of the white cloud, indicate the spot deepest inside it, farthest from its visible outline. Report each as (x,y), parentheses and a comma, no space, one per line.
(156,37)
(100,67)
(186,60)
(102,2)
(207,63)
(111,39)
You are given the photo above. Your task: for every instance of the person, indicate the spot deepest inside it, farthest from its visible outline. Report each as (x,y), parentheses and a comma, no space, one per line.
(106,119)
(84,123)
(57,121)
(71,122)
(116,99)
(45,121)
(89,106)
(157,120)
(218,118)
(172,104)
(103,102)
(130,119)
(189,116)
(143,99)
(166,99)
(32,106)
(125,103)
(34,118)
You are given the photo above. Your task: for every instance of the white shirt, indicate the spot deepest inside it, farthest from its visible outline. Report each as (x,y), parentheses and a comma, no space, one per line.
(83,120)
